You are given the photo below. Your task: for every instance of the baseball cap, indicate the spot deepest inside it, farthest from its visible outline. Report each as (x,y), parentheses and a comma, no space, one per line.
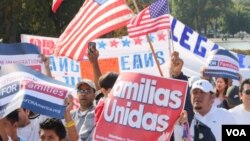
(233,95)
(86,81)
(192,79)
(203,85)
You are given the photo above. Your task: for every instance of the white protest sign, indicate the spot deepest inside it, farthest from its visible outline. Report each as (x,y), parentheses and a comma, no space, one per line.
(134,55)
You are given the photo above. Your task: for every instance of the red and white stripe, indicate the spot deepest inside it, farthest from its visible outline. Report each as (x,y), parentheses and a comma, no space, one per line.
(92,21)
(56,4)
(142,24)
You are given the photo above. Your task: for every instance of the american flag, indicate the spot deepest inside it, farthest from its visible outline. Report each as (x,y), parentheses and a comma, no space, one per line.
(151,19)
(56,4)
(95,18)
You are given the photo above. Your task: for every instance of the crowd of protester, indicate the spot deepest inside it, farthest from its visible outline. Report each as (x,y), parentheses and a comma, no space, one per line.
(210,103)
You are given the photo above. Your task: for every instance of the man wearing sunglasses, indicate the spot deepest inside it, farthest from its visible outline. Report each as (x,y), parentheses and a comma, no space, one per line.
(241,113)
(84,116)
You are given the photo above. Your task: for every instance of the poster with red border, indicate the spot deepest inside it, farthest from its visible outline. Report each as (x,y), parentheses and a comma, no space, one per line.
(141,107)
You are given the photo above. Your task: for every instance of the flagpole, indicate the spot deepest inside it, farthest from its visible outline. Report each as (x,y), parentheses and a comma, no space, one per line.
(150,44)
(136,6)
(170,34)
(154,55)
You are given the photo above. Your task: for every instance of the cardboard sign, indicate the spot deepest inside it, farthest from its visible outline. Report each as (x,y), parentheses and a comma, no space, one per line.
(109,64)
(21,53)
(20,86)
(141,107)
(222,63)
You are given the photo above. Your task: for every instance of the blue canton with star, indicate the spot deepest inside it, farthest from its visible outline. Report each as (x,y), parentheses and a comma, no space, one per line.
(158,8)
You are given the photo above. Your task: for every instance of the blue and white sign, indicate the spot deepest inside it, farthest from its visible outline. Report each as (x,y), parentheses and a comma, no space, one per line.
(222,63)
(21,86)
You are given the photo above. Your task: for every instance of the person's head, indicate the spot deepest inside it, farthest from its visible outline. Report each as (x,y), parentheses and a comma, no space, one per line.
(23,117)
(232,96)
(99,95)
(10,123)
(230,82)
(221,85)
(192,79)
(107,82)
(202,96)
(3,134)
(245,93)
(202,71)
(52,129)
(85,93)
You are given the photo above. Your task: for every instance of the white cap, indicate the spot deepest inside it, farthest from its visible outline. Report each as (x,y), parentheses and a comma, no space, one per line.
(86,81)
(192,79)
(203,85)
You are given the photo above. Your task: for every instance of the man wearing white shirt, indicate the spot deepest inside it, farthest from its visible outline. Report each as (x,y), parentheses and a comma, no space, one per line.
(208,119)
(241,113)
(29,128)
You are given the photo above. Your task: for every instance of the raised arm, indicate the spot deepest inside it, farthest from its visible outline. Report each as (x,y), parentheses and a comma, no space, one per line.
(176,64)
(70,124)
(45,60)
(93,55)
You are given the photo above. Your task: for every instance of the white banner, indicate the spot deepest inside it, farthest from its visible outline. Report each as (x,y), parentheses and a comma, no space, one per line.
(21,86)
(134,55)
(21,53)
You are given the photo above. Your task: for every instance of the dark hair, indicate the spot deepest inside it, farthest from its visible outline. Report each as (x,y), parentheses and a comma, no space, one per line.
(12,117)
(107,80)
(56,125)
(98,97)
(246,81)
(226,82)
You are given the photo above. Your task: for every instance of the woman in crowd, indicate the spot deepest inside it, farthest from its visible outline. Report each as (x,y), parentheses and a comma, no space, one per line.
(221,85)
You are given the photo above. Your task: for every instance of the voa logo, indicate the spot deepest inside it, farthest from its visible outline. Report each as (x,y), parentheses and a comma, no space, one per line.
(236,132)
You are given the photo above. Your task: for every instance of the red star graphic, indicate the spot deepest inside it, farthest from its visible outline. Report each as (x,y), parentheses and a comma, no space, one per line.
(114,43)
(161,36)
(138,40)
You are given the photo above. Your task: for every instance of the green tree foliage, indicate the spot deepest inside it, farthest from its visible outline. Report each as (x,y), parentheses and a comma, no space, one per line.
(23,17)
(201,15)
(34,17)
(238,18)
(216,16)
(245,52)
(184,11)
(205,16)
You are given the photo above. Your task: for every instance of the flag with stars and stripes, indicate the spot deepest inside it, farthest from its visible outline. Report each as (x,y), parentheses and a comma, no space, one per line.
(153,18)
(95,18)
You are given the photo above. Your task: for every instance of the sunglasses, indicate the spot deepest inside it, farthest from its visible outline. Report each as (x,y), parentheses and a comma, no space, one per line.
(85,91)
(247,92)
